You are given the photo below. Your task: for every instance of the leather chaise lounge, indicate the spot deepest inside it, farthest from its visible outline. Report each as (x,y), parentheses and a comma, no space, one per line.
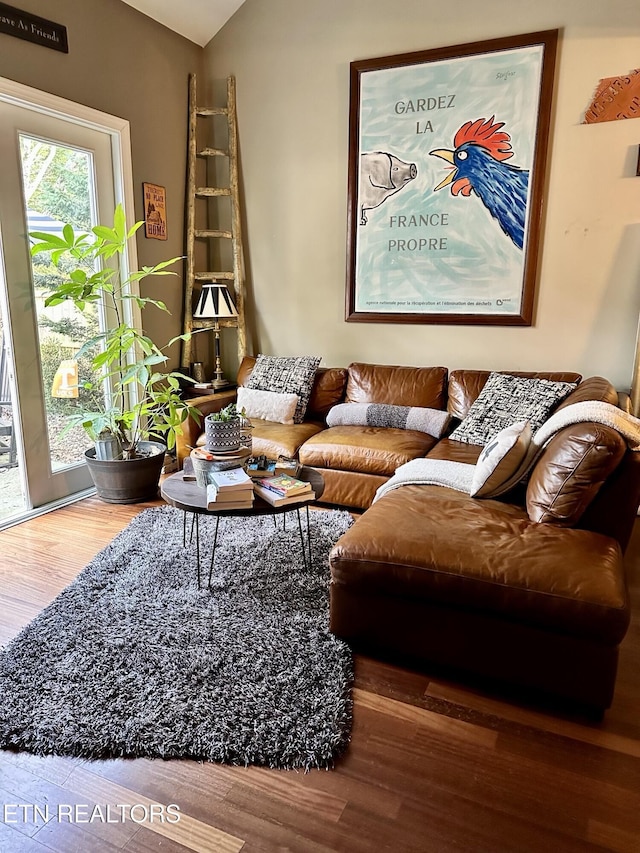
(527,589)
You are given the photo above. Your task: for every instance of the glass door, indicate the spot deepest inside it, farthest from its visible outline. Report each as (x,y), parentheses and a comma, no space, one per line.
(54,171)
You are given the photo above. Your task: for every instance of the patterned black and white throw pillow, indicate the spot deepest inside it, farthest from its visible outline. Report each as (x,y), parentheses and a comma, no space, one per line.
(506,399)
(286,375)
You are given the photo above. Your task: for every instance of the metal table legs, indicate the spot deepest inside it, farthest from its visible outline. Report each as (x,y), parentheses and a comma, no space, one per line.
(195,526)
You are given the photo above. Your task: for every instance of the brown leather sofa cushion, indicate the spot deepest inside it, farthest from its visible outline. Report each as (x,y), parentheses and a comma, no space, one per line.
(350,488)
(369,450)
(456,451)
(328,390)
(397,386)
(244,371)
(466,385)
(434,544)
(328,387)
(593,388)
(570,472)
(273,440)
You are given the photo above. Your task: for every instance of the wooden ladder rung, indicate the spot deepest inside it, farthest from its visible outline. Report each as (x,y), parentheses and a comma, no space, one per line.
(204,233)
(211,276)
(208,192)
(212,152)
(215,111)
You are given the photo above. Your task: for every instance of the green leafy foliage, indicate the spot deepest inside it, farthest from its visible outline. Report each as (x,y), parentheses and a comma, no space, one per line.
(56,180)
(143,401)
(229,413)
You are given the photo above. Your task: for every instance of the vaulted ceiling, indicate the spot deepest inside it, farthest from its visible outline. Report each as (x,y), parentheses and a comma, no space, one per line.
(197,20)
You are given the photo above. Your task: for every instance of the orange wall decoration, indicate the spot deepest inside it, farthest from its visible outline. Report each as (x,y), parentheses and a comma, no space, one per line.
(615,98)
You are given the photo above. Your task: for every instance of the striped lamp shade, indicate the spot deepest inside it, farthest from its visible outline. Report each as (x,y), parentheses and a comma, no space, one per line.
(215,301)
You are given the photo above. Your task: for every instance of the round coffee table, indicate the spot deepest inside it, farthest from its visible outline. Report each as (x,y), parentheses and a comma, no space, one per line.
(188,496)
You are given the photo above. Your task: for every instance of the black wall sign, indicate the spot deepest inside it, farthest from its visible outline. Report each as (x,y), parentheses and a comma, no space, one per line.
(24,25)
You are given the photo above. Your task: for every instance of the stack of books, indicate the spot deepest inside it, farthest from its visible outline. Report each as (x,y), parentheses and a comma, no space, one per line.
(282,489)
(229,489)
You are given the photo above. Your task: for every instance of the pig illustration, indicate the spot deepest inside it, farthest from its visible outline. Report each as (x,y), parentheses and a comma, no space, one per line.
(381,175)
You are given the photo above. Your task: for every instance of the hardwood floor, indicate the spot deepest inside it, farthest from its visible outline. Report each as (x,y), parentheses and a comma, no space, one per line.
(432,765)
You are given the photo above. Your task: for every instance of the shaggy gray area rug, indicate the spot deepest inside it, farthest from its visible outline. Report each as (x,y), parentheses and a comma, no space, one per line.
(132,659)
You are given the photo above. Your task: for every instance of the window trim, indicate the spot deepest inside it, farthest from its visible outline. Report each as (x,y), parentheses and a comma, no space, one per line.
(118,129)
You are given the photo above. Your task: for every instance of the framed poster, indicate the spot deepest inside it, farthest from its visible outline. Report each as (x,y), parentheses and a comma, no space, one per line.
(155,211)
(447,153)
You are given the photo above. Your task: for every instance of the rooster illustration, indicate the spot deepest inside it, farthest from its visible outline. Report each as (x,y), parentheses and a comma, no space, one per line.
(480,149)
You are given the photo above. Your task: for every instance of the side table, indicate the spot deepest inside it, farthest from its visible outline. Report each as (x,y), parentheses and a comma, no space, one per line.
(228,393)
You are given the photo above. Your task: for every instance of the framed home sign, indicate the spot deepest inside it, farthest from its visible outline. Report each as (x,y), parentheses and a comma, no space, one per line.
(155,211)
(447,153)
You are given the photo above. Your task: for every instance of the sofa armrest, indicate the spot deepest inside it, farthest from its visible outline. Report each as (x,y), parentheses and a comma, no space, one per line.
(191,429)
(624,402)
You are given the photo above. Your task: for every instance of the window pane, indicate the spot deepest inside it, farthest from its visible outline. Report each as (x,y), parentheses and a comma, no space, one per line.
(59,188)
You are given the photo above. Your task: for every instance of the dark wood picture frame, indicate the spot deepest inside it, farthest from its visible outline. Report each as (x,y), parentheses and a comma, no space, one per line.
(461,247)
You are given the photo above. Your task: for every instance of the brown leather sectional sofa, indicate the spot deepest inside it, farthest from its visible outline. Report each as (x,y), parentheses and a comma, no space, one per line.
(527,589)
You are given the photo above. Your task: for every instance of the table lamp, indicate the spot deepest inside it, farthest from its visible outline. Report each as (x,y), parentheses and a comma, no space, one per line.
(215,303)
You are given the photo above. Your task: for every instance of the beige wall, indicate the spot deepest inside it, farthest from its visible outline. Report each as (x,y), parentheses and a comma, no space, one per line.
(123,63)
(291,62)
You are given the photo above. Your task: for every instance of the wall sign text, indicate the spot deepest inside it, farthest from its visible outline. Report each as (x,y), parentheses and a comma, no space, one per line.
(24,25)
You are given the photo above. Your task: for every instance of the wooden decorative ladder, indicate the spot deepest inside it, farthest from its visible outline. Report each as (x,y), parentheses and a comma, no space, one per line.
(234,278)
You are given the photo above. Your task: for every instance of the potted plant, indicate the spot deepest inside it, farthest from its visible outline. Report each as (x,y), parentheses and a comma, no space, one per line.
(223,429)
(143,409)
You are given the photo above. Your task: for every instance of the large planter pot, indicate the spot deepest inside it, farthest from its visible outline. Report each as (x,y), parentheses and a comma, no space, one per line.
(128,481)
